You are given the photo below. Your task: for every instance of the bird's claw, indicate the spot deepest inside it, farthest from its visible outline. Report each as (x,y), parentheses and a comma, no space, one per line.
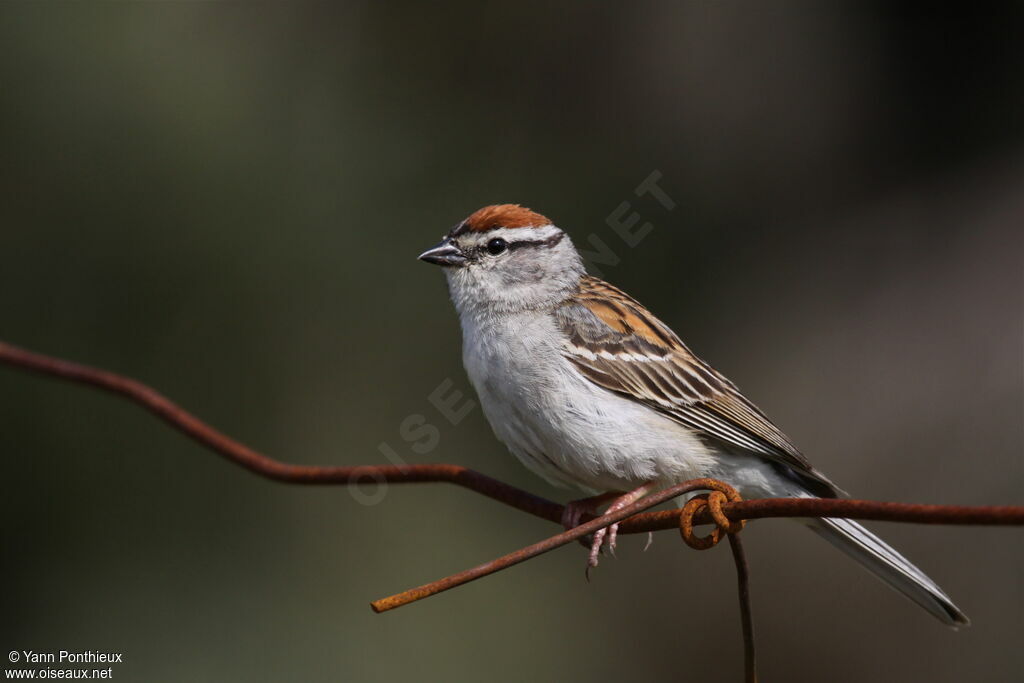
(574,510)
(599,543)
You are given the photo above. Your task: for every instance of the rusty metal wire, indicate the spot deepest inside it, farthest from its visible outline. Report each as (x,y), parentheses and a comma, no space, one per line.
(523,554)
(264,466)
(721,507)
(739,558)
(720,493)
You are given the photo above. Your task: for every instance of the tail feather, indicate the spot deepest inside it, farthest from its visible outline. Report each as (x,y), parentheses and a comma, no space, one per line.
(890,567)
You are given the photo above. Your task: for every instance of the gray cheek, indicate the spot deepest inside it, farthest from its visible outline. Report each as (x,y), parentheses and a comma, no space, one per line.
(519,271)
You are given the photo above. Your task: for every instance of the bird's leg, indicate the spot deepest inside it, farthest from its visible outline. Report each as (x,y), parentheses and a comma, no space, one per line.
(612,531)
(575,509)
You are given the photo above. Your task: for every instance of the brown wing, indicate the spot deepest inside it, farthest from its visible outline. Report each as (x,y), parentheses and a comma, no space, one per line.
(619,345)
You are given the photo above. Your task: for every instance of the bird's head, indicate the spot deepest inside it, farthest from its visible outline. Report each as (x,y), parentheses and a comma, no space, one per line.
(505,258)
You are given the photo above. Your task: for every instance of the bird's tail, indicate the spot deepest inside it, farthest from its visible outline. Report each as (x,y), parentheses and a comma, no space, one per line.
(889,566)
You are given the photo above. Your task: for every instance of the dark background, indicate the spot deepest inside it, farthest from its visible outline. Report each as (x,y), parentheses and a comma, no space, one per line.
(225,200)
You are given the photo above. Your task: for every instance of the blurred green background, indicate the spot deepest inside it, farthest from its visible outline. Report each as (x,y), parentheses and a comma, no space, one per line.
(225,200)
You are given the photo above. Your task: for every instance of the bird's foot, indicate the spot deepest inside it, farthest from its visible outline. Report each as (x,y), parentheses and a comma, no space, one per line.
(611,532)
(575,509)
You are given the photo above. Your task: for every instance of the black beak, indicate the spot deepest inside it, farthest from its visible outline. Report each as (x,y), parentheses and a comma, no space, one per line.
(444,253)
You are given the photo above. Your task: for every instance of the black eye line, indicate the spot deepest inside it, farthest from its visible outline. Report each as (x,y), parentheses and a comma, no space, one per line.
(476,252)
(545,243)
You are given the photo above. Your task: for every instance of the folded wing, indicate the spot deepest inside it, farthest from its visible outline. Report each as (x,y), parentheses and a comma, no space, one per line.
(617,344)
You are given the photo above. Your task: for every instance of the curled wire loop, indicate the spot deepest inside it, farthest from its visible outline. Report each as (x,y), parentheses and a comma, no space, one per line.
(720,493)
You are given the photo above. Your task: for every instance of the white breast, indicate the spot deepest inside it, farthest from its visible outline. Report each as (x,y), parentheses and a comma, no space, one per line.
(562,426)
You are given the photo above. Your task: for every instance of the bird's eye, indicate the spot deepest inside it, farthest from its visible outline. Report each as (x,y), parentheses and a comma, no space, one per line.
(496,246)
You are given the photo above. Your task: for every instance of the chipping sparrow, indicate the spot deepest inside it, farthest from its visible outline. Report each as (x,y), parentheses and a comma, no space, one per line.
(588,389)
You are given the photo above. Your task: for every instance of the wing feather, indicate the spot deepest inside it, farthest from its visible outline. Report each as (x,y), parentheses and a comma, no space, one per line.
(617,344)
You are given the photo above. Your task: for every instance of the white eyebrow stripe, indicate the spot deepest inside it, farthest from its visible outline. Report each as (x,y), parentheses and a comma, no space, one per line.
(512,235)
(530,234)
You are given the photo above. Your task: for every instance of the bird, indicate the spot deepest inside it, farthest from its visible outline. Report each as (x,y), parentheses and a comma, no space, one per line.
(589,390)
